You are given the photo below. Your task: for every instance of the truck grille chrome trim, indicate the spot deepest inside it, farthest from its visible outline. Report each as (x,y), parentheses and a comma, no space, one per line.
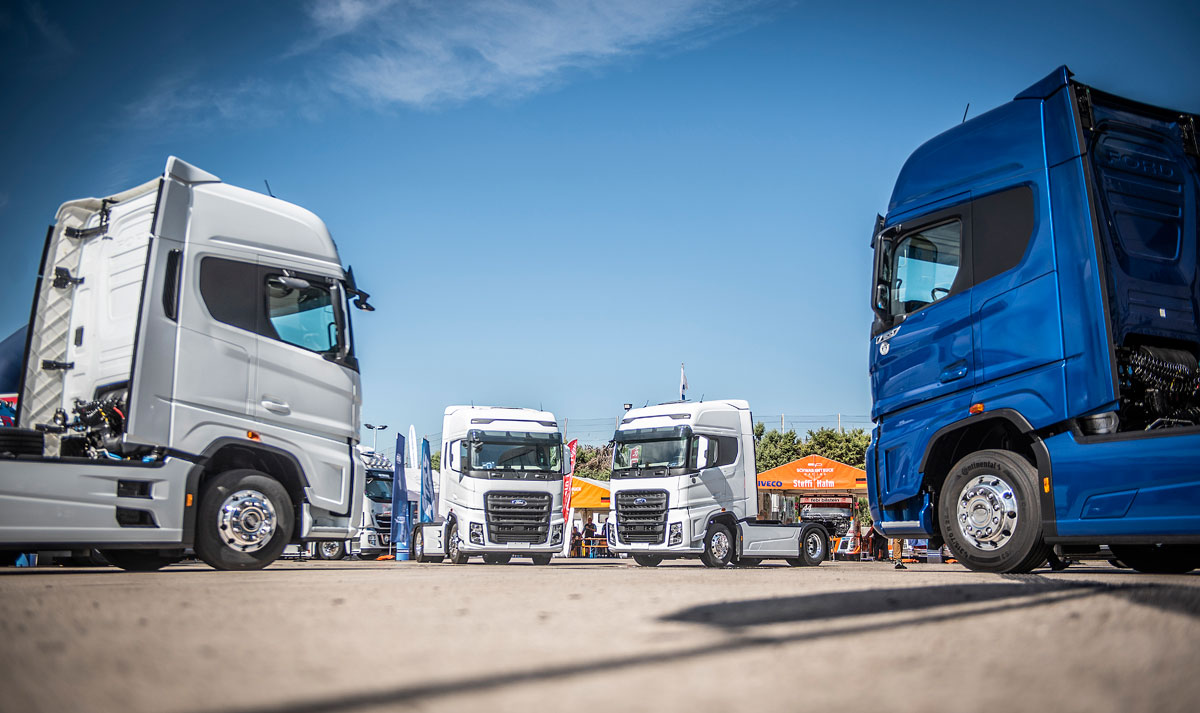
(642,516)
(517,517)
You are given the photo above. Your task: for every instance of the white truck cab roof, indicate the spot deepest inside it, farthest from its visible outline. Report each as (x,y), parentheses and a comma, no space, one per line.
(721,414)
(458,420)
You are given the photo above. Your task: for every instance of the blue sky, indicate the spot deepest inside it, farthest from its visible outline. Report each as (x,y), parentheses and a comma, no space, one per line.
(556,203)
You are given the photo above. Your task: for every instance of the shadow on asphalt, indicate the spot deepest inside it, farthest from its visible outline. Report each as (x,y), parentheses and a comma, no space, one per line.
(1021,592)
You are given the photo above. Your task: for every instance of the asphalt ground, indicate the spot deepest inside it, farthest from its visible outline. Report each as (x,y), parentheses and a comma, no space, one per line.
(597,635)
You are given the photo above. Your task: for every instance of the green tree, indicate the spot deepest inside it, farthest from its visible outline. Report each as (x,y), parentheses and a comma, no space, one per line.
(435,461)
(773,449)
(593,462)
(849,447)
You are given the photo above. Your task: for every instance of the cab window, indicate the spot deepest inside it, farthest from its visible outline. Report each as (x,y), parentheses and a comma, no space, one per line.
(923,267)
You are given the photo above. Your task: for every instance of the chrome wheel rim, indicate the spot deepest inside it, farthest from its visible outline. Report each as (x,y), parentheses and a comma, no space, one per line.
(452,548)
(720,545)
(813,546)
(330,548)
(246,521)
(418,544)
(987,512)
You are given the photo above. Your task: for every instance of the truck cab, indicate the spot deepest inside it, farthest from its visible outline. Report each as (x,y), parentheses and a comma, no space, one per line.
(501,487)
(189,380)
(684,486)
(1037,327)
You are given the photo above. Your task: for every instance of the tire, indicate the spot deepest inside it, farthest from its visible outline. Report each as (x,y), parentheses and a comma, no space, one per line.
(142,560)
(453,552)
(496,558)
(244,520)
(418,547)
(647,560)
(1159,559)
(990,514)
(749,562)
(331,550)
(718,546)
(540,560)
(814,546)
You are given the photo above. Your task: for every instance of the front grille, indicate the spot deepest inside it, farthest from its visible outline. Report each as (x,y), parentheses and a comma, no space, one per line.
(642,516)
(518,517)
(383,522)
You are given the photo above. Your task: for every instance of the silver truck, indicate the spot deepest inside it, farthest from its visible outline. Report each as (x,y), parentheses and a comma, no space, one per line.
(684,486)
(189,382)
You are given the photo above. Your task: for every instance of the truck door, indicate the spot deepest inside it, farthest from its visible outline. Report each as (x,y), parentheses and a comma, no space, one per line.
(715,480)
(925,350)
(302,377)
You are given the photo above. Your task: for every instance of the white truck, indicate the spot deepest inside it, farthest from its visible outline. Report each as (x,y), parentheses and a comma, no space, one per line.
(375,533)
(189,382)
(684,485)
(501,488)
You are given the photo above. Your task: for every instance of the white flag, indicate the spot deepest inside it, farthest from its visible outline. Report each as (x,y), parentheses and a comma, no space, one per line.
(682,383)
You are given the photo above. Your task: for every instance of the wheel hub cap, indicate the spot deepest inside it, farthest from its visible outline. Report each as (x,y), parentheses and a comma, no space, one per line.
(720,545)
(987,512)
(330,548)
(246,520)
(814,545)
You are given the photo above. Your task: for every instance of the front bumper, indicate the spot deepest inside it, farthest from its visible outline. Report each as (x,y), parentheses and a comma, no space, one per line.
(474,537)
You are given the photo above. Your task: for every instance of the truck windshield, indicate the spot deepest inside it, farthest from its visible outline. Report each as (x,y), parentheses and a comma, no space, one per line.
(647,451)
(379,489)
(515,451)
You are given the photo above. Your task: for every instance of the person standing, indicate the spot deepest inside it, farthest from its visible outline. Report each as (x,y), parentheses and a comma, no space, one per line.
(898,554)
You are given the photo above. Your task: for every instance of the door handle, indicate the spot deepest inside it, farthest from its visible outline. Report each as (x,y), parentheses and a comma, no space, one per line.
(279,407)
(953,372)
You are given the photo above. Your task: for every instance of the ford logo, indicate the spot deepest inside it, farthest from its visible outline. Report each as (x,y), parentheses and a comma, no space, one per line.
(518,502)
(640,501)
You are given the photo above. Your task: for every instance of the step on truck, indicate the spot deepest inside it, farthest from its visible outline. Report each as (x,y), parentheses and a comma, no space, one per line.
(501,488)
(1037,325)
(684,485)
(189,383)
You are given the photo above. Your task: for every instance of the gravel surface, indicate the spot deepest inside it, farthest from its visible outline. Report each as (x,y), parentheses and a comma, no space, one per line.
(577,635)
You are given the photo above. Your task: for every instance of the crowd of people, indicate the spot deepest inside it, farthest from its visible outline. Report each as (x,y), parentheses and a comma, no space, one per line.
(591,542)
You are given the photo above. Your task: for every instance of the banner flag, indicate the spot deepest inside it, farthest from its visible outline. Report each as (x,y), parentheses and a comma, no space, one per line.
(401,528)
(567,480)
(682,383)
(413,445)
(426,482)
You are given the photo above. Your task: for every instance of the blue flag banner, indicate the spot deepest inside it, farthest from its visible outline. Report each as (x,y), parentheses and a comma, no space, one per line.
(426,482)
(401,527)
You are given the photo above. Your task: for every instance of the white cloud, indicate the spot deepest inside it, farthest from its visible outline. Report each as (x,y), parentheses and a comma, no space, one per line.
(431,53)
(425,54)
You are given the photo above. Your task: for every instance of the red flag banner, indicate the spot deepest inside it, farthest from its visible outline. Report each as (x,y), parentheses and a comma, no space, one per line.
(567,480)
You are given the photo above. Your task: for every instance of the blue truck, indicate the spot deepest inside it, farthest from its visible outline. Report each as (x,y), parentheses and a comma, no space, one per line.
(1033,362)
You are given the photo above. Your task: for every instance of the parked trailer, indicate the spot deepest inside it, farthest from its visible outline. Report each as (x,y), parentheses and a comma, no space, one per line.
(189,381)
(1036,336)
(684,486)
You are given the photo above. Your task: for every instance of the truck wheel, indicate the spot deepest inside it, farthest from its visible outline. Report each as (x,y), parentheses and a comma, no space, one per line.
(331,550)
(749,562)
(990,514)
(718,547)
(142,560)
(647,560)
(1159,559)
(453,552)
(244,520)
(496,558)
(540,560)
(813,545)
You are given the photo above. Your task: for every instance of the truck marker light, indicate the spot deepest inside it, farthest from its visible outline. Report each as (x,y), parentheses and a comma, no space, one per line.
(1045,485)
(253,435)
(188,502)
(975,408)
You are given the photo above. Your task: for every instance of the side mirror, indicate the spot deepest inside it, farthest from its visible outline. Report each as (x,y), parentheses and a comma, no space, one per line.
(881,298)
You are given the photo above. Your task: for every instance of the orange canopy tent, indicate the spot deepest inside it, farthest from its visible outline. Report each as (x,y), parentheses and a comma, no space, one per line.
(813,473)
(587,494)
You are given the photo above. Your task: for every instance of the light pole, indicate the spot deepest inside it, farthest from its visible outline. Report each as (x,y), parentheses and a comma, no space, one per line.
(375,435)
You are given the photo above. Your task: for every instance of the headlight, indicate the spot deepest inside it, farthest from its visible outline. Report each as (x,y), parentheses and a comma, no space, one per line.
(676,534)
(477,533)
(556,537)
